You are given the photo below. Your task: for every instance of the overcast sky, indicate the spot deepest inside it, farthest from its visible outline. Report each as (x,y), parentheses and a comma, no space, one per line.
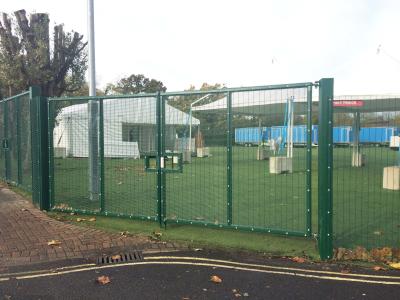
(240,43)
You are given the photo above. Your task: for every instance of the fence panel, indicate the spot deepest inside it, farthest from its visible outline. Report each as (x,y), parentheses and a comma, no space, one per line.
(15,156)
(198,194)
(70,170)
(270,178)
(127,136)
(130,136)
(366,172)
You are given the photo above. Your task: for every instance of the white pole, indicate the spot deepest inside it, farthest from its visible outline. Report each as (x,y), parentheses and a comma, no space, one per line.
(93,130)
(190,117)
(190,130)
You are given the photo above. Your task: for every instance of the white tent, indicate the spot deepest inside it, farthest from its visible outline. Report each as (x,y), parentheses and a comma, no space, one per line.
(129,127)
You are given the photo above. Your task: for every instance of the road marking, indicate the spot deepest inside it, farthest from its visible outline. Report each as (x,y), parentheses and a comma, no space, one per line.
(214,265)
(44,270)
(271,267)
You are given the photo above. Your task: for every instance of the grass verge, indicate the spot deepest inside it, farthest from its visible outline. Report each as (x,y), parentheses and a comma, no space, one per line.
(208,238)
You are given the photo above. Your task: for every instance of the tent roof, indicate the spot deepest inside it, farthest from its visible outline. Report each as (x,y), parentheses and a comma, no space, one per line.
(274,102)
(130,110)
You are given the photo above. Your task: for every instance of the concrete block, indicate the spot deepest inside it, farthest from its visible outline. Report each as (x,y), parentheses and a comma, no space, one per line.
(60,152)
(203,152)
(187,156)
(391,178)
(358,160)
(280,164)
(262,153)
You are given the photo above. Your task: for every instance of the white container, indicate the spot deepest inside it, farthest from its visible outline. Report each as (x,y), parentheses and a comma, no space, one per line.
(391,178)
(280,164)
(394,141)
(60,152)
(203,152)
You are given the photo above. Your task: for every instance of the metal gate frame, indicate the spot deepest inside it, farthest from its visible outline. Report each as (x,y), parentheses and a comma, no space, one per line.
(42,146)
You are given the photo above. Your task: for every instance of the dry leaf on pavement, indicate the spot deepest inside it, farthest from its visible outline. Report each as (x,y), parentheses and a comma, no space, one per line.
(54,243)
(103,279)
(215,279)
(395,265)
(298,259)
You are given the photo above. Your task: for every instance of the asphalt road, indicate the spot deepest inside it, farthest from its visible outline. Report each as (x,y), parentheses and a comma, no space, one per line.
(175,278)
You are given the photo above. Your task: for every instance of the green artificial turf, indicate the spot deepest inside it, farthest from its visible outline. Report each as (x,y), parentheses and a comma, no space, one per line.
(364,213)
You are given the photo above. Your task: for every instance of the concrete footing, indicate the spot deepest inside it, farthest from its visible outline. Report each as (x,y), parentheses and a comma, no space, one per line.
(279,164)
(391,178)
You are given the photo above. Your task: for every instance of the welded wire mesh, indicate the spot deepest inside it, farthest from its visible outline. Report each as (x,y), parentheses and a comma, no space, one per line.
(15,135)
(269,160)
(130,135)
(366,171)
(199,193)
(2,152)
(70,156)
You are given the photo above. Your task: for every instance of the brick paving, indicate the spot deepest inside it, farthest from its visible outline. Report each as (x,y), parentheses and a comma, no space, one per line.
(25,232)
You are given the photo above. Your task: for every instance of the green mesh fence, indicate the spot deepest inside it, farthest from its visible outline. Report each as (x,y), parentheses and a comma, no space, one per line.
(15,134)
(176,157)
(366,171)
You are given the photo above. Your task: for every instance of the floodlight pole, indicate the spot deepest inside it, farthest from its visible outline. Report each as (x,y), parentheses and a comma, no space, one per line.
(93,128)
(190,117)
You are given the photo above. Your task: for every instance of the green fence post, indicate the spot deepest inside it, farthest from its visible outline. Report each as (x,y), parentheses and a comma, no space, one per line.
(19,156)
(325,161)
(158,161)
(51,121)
(229,158)
(309,162)
(101,153)
(163,170)
(42,153)
(6,146)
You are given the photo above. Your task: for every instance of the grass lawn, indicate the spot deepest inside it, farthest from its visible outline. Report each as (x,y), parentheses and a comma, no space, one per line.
(364,213)
(199,237)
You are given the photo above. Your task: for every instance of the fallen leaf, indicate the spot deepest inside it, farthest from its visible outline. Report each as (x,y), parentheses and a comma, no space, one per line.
(157,234)
(103,279)
(115,257)
(92,219)
(298,259)
(345,271)
(124,233)
(23,209)
(80,219)
(54,243)
(245,294)
(215,279)
(205,290)
(378,268)
(237,295)
(395,265)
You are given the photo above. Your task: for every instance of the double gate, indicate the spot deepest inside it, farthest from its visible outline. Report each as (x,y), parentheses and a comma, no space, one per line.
(172,158)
